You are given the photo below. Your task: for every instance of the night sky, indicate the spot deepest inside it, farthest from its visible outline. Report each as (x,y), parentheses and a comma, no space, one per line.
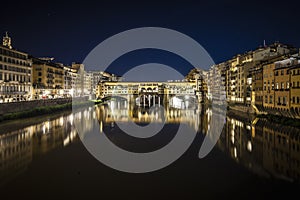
(69,31)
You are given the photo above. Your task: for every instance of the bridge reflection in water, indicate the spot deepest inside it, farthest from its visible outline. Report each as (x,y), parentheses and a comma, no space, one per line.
(265,148)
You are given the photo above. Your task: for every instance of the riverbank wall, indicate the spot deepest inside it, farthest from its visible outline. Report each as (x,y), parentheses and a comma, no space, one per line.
(258,110)
(14,107)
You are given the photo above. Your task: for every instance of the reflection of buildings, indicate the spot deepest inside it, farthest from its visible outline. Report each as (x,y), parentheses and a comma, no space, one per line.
(18,147)
(281,151)
(126,112)
(265,148)
(50,134)
(15,153)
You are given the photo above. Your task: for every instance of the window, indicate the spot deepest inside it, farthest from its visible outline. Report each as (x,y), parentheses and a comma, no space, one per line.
(266,99)
(293,100)
(40,73)
(298,99)
(287,85)
(282,72)
(0,76)
(282,85)
(271,99)
(277,86)
(279,100)
(284,100)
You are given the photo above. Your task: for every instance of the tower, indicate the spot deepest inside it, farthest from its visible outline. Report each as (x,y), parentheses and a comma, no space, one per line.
(7,41)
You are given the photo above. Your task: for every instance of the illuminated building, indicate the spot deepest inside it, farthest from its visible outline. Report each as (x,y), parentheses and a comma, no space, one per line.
(96,77)
(200,79)
(48,78)
(70,77)
(295,89)
(146,88)
(282,84)
(268,85)
(216,91)
(15,73)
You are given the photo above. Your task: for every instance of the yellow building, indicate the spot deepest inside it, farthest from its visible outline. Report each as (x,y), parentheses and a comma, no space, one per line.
(295,88)
(282,85)
(48,79)
(268,85)
(15,73)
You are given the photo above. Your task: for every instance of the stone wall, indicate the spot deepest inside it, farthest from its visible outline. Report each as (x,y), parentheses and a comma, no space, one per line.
(28,105)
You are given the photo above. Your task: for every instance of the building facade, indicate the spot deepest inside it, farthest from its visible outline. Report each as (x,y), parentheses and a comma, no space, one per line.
(282,84)
(48,79)
(136,88)
(15,73)
(295,88)
(268,85)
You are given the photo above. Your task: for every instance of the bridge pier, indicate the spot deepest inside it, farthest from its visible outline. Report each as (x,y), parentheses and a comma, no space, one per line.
(158,100)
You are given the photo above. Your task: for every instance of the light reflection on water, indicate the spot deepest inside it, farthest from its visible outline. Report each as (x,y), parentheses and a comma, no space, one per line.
(265,148)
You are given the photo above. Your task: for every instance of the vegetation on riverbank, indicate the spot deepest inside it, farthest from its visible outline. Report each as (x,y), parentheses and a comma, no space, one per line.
(43,110)
(281,120)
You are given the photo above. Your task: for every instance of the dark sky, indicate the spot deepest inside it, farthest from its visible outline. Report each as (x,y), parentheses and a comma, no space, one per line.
(69,31)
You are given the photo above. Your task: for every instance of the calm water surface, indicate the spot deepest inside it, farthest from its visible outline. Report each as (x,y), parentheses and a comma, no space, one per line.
(43,157)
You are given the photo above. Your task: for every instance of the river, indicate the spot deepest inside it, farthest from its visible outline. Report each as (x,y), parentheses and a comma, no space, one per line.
(44,157)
